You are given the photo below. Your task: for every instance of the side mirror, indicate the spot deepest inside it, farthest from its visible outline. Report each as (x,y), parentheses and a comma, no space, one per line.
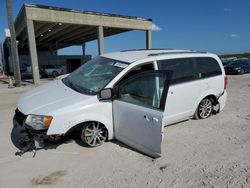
(106,94)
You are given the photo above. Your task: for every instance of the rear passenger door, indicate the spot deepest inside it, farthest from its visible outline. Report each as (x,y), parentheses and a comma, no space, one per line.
(183,91)
(210,76)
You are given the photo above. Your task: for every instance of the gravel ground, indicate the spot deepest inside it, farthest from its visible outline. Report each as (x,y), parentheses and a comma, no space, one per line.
(197,153)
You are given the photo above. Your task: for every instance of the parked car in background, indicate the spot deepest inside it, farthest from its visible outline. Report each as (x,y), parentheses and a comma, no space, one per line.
(227,61)
(51,70)
(240,66)
(26,72)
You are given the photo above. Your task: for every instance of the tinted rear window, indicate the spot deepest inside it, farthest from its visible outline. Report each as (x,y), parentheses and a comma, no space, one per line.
(182,68)
(208,67)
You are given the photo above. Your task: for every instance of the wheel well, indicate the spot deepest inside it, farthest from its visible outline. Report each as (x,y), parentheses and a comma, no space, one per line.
(79,126)
(214,99)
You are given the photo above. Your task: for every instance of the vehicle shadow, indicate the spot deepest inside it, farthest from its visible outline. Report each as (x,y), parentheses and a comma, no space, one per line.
(120,144)
(20,140)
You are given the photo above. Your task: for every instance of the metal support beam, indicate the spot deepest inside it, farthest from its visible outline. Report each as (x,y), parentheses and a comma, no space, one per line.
(100,40)
(33,51)
(80,34)
(52,32)
(148,39)
(61,34)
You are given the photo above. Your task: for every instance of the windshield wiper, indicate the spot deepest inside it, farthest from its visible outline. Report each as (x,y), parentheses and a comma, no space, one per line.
(76,88)
(69,84)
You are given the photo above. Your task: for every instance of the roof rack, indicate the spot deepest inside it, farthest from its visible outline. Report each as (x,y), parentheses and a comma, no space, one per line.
(146,49)
(176,52)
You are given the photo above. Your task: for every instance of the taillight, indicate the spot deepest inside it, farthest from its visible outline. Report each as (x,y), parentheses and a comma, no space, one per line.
(225,82)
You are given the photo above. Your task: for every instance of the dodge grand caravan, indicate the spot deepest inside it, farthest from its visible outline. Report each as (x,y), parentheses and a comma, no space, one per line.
(129,95)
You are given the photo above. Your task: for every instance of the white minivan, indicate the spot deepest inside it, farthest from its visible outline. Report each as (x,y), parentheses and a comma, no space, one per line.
(129,95)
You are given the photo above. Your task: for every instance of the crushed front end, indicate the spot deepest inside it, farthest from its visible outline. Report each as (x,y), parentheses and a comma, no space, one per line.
(29,138)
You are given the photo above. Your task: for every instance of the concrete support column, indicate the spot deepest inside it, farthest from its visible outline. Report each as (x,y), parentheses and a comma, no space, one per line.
(83,53)
(33,51)
(100,40)
(148,39)
(83,49)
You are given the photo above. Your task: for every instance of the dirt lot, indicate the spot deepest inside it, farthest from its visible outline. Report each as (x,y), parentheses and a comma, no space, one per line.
(205,153)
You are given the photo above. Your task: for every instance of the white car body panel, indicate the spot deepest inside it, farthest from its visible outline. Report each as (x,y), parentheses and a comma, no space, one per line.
(180,103)
(139,127)
(67,107)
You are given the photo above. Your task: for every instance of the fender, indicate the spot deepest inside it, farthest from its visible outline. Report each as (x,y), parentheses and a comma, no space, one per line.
(63,122)
(203,95)
(67,125)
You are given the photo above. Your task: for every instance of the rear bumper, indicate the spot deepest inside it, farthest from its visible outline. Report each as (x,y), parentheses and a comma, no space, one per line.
(222,100)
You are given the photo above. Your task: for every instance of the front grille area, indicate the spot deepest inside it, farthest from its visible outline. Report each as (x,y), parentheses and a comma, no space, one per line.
(19,117)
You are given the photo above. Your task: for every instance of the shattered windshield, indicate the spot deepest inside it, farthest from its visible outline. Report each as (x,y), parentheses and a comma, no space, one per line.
(94,75)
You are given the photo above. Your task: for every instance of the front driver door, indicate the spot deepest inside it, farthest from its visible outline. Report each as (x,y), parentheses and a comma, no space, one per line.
(138,111)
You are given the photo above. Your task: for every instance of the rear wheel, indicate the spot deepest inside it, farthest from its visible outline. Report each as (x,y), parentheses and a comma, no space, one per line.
(94,134)
(205,109)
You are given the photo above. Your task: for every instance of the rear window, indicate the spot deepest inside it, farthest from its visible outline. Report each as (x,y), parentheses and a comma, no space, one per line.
(207,67)
(182,68)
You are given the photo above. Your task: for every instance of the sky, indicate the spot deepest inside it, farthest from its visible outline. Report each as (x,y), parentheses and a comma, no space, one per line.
(218,26)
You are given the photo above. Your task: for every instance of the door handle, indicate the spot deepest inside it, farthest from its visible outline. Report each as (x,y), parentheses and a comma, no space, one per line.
(155,119)
(151,119)
(147,118)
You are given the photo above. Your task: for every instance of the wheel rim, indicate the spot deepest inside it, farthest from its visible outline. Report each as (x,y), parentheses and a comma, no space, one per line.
(205,108)
(94,134)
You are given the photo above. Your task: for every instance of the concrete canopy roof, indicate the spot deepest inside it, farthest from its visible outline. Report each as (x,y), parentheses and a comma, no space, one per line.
(57,28)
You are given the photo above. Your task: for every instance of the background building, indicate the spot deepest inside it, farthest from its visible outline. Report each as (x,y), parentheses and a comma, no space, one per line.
(42,30)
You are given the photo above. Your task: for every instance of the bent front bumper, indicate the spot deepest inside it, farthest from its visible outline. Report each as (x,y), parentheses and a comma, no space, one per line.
(38,136)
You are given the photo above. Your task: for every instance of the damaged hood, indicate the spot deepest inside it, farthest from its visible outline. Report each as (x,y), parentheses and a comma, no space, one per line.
(50,97)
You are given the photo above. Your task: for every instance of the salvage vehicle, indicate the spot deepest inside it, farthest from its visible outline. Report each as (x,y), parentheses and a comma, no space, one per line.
(129,95)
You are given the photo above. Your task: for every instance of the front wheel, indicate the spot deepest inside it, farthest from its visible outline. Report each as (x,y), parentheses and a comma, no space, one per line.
(94,134)
(205,109)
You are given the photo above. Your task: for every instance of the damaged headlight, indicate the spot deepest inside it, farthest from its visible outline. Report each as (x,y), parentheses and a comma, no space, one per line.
(38,122)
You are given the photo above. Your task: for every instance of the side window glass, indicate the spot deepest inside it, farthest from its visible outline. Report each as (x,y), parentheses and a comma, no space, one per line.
(145,90)
(138,69)
(182,68)
(208,67)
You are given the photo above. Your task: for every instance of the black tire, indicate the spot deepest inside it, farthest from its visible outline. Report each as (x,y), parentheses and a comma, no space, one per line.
(242,71)
(55,74)
(204,109)
(94,134)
